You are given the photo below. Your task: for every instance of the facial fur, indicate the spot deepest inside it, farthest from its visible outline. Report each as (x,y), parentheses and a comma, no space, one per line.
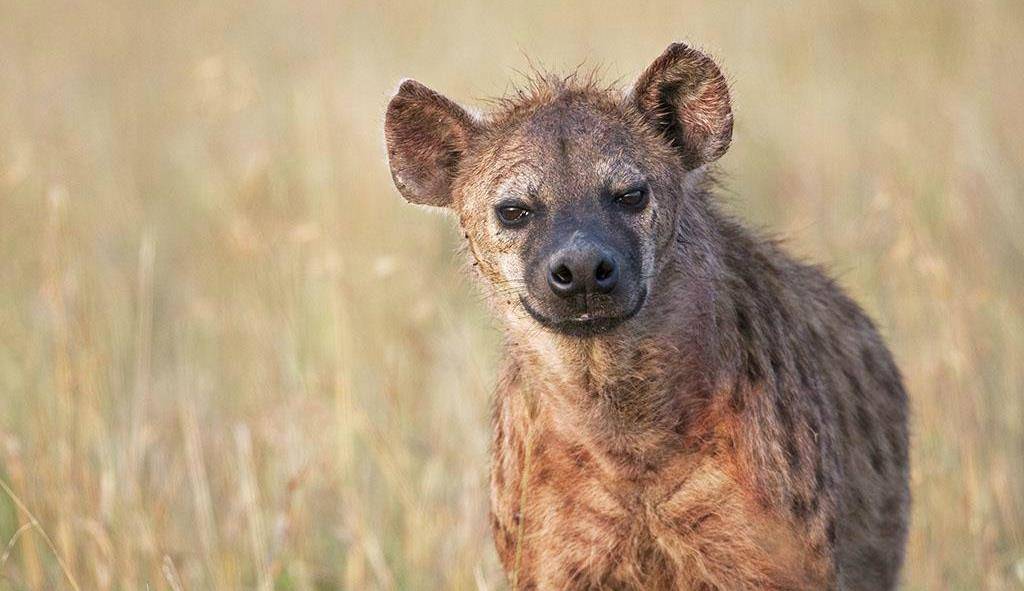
(567,163)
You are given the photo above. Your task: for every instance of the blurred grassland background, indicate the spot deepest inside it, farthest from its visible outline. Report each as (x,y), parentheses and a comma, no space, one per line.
(232,358)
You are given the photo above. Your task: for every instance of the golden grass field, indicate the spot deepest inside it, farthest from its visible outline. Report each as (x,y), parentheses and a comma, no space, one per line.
(232,358)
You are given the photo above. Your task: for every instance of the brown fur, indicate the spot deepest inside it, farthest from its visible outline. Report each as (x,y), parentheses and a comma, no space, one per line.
(747,429)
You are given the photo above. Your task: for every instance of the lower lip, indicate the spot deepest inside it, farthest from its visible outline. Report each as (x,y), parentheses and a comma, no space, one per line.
(584,325)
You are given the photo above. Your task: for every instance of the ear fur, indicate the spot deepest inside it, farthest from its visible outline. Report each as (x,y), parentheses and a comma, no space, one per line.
(426,135)
(684,95)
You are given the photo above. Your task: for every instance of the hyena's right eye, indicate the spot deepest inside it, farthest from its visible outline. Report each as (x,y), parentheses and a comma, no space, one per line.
(512,214)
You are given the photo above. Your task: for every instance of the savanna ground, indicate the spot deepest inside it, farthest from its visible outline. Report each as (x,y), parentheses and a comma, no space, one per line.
(232,358)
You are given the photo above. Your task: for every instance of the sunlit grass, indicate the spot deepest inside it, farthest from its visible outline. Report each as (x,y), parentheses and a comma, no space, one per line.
(232,358)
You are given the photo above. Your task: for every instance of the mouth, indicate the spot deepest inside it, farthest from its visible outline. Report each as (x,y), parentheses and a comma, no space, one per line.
(584,325)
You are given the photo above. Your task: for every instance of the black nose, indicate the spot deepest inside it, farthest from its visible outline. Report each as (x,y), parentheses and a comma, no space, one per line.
(582,268)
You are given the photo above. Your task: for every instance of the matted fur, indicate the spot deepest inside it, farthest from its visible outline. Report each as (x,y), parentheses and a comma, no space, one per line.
(747,429)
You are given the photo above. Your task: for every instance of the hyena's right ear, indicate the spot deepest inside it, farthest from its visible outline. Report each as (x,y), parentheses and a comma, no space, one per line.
(426,135)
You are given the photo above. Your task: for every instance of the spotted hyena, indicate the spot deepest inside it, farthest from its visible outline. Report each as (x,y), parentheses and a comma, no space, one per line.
(682,404)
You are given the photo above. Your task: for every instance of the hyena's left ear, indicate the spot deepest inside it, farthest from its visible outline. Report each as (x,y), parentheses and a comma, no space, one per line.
(684,95)
(426,135)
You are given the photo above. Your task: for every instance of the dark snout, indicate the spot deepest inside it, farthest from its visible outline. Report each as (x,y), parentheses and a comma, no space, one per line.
(583,267)
(585,285)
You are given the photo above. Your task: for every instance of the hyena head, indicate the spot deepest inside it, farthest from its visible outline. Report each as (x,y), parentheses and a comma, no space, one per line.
(569,195)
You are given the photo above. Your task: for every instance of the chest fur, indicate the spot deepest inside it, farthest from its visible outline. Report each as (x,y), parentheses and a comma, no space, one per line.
(564,518)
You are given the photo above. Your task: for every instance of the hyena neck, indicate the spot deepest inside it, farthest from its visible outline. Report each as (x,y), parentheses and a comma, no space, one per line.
(633,392)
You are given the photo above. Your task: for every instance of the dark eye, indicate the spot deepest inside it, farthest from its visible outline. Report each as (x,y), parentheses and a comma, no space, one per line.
(512,215)
(635,199)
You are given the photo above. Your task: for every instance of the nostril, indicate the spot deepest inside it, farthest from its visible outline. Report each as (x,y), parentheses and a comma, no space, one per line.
(562,275)
(606,275)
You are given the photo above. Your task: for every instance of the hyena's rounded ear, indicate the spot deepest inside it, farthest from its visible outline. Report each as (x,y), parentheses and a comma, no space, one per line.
(684,95)
(426,135)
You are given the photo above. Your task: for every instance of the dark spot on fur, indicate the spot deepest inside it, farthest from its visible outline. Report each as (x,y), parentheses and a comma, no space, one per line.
(578,575)
(607,522)
(864,420)
(844,418)
(891,506)
(877,460)
(580,456)
(755,374)
(697,523)
(899,454)
(776,367)
(563,147)
(854,383)
(569,505)
(799,506)
(508,539)
(819,477)
(782,409)
(871,364)
(860,504)
(737,402)
(689,523)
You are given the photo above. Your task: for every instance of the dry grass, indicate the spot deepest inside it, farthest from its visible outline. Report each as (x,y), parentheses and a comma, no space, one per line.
(231,358)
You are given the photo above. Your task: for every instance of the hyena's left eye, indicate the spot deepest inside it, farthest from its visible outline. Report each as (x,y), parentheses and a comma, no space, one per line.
(512,215)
